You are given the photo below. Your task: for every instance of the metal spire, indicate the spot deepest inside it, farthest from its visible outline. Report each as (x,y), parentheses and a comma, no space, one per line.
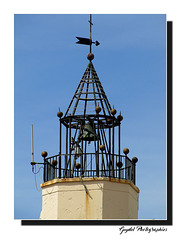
(90,32)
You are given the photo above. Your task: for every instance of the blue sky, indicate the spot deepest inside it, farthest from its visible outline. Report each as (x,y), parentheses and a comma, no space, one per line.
(131,65)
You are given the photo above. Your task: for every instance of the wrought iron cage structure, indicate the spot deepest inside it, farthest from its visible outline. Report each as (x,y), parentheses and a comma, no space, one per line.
(92,137)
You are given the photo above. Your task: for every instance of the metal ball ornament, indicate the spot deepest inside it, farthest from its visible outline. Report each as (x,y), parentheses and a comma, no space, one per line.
(90,56)
(119,164)
(78,165)
(97,109)
(125,151)
(113,111)
(134,159)
(44,154)
(119,118)
(102,147)
(59,114)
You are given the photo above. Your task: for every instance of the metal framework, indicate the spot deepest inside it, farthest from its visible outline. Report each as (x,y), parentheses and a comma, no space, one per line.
(93,134)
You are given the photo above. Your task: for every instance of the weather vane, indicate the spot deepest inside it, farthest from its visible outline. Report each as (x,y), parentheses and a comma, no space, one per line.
(88,41)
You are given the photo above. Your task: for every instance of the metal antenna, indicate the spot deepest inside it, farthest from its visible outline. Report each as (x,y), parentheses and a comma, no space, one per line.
(32,147)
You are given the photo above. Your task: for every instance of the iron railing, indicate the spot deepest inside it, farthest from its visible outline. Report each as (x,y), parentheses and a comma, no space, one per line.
(89,165)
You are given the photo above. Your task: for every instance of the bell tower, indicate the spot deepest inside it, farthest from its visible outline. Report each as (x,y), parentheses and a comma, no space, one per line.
(93,178)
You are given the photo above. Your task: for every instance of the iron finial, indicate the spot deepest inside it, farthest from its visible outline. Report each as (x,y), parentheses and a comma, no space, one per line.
(88,41)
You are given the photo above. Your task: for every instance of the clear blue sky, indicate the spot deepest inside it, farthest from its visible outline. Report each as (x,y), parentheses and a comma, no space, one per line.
(131,65)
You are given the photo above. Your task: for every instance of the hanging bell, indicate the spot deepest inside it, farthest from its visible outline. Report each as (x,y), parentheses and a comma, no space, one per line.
(88,133)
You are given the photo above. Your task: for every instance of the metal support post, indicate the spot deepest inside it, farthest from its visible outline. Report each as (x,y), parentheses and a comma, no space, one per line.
(97,164)
(70,147)
(113,147)
(60,145)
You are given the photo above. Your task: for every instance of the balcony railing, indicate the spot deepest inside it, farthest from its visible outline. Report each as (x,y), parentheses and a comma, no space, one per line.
(89,165)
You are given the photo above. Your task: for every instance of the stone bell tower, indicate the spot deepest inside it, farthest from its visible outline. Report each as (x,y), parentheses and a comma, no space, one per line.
(92,179)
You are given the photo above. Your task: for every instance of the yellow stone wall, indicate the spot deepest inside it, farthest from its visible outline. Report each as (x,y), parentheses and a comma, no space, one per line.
(89,198)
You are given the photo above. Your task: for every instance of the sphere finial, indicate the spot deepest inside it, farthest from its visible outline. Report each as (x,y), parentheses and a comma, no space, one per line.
(125,151)
(97,109)
(119,164)
(134,159)
(59,113)
(90,56)
(78,166)
(44,154)
(120,117)
(102,147)
(113,111)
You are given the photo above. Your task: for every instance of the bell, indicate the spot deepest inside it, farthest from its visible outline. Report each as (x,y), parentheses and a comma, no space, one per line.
(88,133)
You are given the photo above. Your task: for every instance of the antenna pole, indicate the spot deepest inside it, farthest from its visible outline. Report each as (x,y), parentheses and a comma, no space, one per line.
(32,146)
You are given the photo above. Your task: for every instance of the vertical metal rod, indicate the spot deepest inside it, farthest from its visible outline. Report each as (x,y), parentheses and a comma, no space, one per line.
(53,170)
(69,147)
(119,168)
(95,153)
(116,157)
(85,156)
(32,147)
(66,156)
(90,33)
(72,170)
(97,166)
(133,177)
(82,152)
(126,168)
(102,164)
(119,140)
(134,173)
(60,145)
(109,150)
(32,144)
(119,143)
(44,170)
(113,147)
(46,176)
(91,165)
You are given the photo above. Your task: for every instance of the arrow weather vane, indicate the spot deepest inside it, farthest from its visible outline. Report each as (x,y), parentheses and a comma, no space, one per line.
(88,41)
